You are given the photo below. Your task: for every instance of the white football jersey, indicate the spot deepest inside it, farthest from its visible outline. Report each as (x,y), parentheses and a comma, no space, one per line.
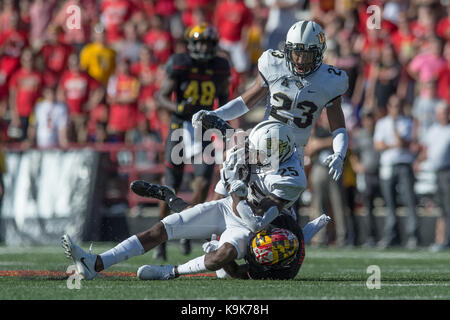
(287,183)
(302,99)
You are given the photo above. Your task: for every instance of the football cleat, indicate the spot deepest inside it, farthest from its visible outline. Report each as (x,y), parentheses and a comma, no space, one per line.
(84,261)
(152,272)
(149,190)
(311,229)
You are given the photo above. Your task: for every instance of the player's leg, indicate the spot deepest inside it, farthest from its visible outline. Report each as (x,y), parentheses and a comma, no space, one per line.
(198,222)
(319,184)
(203,174)
(232,246)
(313,227)
(173,178)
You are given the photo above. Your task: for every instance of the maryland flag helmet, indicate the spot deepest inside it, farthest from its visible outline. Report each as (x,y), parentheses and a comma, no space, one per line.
(274,247)
(202,41)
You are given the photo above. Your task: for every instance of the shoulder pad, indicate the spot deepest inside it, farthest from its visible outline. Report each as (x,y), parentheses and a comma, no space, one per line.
(271,64)
(336,81)
(286,187)
(221,66)
(178,63)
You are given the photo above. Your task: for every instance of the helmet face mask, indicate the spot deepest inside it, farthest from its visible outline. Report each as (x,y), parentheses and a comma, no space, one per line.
(202,42)
(304,48)
(303,62)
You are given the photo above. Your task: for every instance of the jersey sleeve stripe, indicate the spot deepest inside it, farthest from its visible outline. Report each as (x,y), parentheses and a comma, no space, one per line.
(264,78)
(332,100)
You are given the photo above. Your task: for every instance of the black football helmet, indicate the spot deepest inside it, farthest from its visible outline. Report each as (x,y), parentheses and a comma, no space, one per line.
(202,41)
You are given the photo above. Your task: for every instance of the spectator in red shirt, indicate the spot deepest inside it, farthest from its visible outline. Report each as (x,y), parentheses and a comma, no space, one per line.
(443,26)
(443,81)
(158,39)
(123,94)
(232,19)
(145,70)
(131,45)
(80,93)
(24,14)
(97,124)
(55,56)
(12,42)
(114,13)
(197,11)
(403,40)
(424,26)
(41,12)
(25,88)
(8,10)
(74,35)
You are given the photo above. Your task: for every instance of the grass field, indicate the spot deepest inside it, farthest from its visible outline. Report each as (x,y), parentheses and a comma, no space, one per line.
(39,273)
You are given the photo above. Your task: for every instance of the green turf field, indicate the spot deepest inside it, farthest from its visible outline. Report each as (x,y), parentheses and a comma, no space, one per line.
(325,274)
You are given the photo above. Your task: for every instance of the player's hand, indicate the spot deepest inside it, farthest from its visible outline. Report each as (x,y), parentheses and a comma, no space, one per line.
(196,123)
(238,188)
(212,245)
(335,163)
(235,166)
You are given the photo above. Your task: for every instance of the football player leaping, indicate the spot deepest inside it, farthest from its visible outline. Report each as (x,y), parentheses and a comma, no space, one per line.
(257,197)
(300,87)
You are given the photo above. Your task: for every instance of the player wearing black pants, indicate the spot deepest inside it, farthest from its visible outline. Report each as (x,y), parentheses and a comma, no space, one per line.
(197,78)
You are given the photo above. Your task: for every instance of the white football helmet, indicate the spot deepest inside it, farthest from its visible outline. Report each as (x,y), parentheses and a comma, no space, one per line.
(268,138)
(306,40)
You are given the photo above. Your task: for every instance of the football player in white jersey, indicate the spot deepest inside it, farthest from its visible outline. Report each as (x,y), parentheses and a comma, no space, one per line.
(300,87)
(257,198)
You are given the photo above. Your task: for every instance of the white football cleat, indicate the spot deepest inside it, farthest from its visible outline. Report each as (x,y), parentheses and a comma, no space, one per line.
(84,261)
(310,230)
(151,272)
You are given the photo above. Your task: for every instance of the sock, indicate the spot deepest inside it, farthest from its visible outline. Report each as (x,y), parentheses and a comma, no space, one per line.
(176,204)
(310,230)
(193,266)
(128,248)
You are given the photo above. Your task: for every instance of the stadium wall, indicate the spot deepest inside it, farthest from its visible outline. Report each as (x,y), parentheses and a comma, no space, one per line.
(51,192)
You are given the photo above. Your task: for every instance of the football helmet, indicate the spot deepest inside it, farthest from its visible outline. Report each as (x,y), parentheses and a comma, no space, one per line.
(304,48)
(275,248)
(202,41)
(270,137)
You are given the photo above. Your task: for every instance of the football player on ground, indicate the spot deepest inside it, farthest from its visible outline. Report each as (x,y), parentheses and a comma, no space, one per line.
(257,197)
(197,78)
(300,87)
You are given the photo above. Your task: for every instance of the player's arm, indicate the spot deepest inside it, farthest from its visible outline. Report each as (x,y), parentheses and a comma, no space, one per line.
(237,271)
(164,96)
(257,219)
(240,105)
(336,120)
(222,92)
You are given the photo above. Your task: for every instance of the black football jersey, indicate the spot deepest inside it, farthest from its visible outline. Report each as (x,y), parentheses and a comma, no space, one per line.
(197,82)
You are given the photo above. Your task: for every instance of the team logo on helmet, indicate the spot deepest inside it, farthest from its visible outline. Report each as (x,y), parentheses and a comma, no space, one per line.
(321,37)
(275,247)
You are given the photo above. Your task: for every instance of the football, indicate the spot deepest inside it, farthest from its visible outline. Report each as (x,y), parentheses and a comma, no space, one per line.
(274,247)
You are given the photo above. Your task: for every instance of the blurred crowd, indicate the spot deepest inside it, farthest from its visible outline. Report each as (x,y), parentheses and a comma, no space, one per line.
(69,69)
